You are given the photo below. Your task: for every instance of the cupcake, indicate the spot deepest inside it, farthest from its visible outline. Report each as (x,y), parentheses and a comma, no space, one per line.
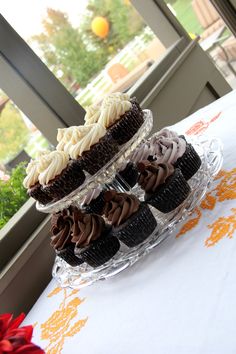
(127,176)
(31,183)
(121,117)
(58,175)
(132,221)
(94,148)
(93,243)
(177,152)
(165,187)
(94,202)
(61,236)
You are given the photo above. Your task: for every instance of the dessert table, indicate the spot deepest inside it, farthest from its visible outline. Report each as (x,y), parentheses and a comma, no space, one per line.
(180,298)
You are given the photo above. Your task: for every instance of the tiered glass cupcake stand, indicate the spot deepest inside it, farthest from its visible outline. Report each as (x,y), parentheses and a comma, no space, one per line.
(210,151)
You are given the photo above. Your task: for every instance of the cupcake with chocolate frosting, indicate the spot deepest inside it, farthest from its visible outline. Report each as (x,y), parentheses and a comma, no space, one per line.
(58,175)
(178,152)
(93,148)
(61,236)
(93,244)
(132,221)
(120,116)
(165,187)
(31,183)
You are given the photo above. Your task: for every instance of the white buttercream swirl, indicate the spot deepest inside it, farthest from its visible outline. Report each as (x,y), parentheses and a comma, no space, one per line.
(116,96)
(112,110)
(64,135)
(92,114)
(32,174)
(90,135)
(51,165)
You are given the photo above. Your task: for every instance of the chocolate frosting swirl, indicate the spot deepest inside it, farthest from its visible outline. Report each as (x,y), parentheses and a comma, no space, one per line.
(86,228)
(152,174)
(119,206)
(61,226)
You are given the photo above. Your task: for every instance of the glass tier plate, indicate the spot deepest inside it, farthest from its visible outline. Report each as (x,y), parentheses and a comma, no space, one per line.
(210,151)
(106,174)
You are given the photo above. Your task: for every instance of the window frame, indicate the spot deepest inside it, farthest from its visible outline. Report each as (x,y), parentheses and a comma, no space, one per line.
(37,92)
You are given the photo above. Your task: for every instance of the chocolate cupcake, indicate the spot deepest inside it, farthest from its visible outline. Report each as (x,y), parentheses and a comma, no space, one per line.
(31,183)
(61,231)
(127,176)
(93,243)
(121,117)
(165,187)
(132,221)
(177,152)
(94,202)
(58,175)
(94,148)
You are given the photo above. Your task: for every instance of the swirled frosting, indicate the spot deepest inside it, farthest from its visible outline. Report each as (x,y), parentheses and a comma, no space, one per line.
(163,133)
(64,136)
(86,228)
(92,114)
(169,150)
(112,109)
(115,96)
(119,206)
(89,135)
(51,165)
(61,228)
(32,174)
(142,152)
(152,174)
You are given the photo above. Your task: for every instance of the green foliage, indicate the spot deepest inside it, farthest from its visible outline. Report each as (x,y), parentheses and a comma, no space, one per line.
(186,16)
(12,194)
(64,50)
(13,131)
(77,53)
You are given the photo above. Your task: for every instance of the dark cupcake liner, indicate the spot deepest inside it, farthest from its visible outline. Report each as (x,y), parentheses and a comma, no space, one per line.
(128,124)
(99,154)
(70,178)
(67,254)
(170,194)
(96,205)
(129,175)
(39,194)
(100,251)
(189,163)
(137,228)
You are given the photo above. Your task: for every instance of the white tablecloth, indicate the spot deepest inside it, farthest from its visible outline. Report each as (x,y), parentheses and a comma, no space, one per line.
(181,298)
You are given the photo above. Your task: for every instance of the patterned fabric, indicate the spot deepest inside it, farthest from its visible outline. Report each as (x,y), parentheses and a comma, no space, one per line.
(180,298)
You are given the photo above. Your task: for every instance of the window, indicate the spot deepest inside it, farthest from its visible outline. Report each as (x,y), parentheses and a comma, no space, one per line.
(51,104)
(200,18)
(92,47)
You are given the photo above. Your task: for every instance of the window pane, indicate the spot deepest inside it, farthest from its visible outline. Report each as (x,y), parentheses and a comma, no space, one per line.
(199,17)
(20,141)
(93,46)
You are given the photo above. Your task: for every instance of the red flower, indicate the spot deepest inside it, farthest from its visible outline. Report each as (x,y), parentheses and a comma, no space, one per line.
(14,339)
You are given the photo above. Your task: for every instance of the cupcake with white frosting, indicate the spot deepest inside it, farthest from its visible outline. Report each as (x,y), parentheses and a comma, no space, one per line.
(31,183)
(58,175)
(92,147)
(121,116)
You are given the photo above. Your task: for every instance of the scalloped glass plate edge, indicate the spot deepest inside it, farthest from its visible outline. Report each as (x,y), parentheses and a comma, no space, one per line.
(106,173)
(210,151)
